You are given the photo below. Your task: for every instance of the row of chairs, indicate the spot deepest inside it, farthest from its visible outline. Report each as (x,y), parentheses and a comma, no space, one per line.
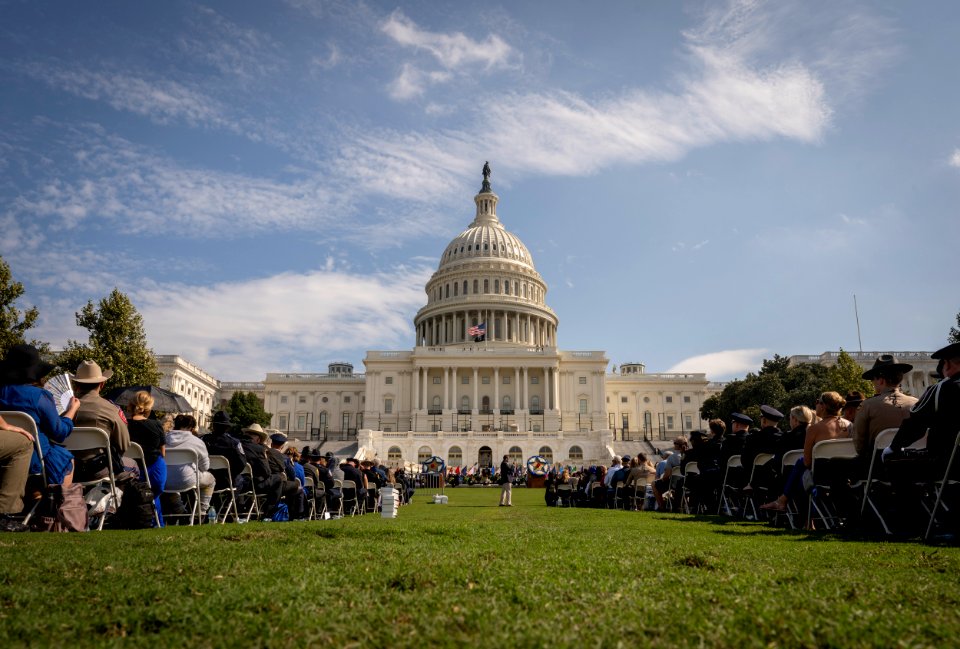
(821,506)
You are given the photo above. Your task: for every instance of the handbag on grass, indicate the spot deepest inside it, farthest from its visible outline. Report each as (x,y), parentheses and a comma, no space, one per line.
(63,510)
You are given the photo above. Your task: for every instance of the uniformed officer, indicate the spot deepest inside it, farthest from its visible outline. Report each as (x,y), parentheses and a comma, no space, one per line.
(887,408)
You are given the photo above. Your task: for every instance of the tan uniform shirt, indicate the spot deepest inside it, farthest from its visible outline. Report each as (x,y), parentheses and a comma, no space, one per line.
(97,411)
(885,410)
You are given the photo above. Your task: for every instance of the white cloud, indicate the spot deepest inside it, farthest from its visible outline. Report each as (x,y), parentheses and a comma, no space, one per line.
(331,60)
(955,159)
(163,101)
(701,244)
(291,321)
(453,50)
(228,47)
(410,83)
(724,364)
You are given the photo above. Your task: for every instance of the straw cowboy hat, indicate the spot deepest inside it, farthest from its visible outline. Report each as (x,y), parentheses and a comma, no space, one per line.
(256,429)
(89,372)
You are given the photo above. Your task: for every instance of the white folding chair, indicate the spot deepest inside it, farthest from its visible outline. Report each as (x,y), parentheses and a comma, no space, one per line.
(311,498)
(759,460)
(564,495)
(227,496)
(185,457)
(947,480)
(254,507)
(86,438)
(819,504)
(26,422)
(884,437)
(692,468)
(135,453)
(733,462)
(787,463)
(349,486)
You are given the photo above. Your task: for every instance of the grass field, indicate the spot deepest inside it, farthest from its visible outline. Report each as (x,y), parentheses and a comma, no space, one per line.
(471,574)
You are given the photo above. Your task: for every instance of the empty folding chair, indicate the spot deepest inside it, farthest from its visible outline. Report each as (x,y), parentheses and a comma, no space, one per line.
(822,501)
(254,509)
(733,462)
(26,422)
(85,438)
(183,457)
(226,497)
(135,453)
(942,485)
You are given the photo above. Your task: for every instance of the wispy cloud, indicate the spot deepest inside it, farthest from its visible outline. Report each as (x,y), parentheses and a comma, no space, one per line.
(723,364)
(453,50)
(954,160)
(163,101)
(229,48)
(412,82)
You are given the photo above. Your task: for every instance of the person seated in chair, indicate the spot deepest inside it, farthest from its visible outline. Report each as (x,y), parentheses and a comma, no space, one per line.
(265,481)
(97,412)
(16,448)
(281,466)
(888,408)
(351,471)
(221,441)
(662,486)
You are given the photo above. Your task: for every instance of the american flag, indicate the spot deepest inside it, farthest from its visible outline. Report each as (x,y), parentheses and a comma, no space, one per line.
(479,330)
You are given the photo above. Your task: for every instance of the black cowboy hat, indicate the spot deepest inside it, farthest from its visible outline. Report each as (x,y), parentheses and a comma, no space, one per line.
(950,351)
(23,364)
(886,362)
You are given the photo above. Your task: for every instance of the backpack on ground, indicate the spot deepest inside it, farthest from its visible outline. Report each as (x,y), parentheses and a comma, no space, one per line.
(63,509)
(136,511)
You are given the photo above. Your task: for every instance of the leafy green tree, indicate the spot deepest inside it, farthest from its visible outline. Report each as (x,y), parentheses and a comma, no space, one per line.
(117,342)
(846,375)
(245,408)
(14,323)
(955,332)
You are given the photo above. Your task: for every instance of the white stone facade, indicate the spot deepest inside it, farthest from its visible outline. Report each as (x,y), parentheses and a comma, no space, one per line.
(914,382)
(199,387)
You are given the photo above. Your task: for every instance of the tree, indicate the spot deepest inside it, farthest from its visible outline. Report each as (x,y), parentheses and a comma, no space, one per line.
(245,408)
(14,323)
(846,375)
(954,336)
(117,342)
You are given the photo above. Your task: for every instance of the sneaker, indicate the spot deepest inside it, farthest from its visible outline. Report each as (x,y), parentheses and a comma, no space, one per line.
(10,524)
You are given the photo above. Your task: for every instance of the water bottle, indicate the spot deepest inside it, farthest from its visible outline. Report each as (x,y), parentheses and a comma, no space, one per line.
(211,515)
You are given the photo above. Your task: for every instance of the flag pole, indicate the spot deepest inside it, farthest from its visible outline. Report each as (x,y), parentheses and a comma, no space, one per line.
(856,314)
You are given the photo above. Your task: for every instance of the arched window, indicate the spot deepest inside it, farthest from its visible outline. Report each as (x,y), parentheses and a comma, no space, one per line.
(456,289)
(448,290)
(535,402)
(464,287)
(424,454)
(516,454)
(454,456)
(486,286)
(465,402)
(507,403)
(576,454)
(394,456)
(506,286)
(436,402)
(476,286)
(323,420)
(496,286)
(485,403)
(547,454)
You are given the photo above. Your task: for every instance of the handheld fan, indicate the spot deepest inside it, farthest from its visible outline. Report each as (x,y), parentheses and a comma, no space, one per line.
(59,386)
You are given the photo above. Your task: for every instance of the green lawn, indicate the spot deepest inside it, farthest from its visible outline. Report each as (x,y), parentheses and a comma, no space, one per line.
(471,574)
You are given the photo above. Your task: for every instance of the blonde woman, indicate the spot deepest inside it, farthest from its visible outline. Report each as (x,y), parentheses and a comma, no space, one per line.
(148,433)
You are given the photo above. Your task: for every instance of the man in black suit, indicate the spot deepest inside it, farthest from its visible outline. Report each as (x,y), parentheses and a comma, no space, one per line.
(506,484)
(264,480)
(281,466)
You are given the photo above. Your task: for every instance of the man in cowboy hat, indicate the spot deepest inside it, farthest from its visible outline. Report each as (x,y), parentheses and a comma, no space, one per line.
(887,408)
(97,412)
(937,413)
(264,480)
(221,441)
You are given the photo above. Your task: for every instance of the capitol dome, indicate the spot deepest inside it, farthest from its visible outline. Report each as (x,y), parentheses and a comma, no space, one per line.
(486,278)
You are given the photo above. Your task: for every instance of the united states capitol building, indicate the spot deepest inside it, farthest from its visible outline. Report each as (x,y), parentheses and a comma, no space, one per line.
(485,377)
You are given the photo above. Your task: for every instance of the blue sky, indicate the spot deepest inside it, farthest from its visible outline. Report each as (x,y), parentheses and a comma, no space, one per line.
(700,185)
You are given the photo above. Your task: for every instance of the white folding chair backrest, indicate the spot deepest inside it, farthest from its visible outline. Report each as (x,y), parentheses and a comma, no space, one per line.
(220,463)
(762,458)
(691,468)
(135,453)
(829,449)
(26,422)
(790,458)
(734,461)
(84,438)
(183,457)
(884,438)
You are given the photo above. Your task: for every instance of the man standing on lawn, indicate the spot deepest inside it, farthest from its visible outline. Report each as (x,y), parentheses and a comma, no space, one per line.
(506,483)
